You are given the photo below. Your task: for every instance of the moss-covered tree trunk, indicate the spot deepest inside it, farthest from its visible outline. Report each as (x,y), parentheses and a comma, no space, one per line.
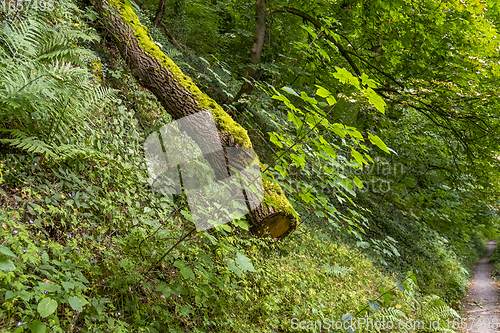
(181,97)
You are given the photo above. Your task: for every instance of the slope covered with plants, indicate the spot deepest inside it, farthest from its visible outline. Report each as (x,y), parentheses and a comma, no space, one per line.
(376,121)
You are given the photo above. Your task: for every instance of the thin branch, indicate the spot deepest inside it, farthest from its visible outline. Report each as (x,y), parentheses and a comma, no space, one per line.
(318,25)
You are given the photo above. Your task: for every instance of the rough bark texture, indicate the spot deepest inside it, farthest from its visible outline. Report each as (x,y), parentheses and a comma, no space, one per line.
(180,97)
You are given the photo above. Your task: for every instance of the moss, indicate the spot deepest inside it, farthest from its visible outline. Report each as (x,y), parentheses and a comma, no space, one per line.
(226,123)
(97,69)
(274,194)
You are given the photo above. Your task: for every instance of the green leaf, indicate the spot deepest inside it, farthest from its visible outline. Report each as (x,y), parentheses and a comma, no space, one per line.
(358,157)
(347,317)
(344,76)
(242,223)
(49,287)
(396,252)
(290,91)
(339,130)
(165,289)
(308,99)
(7,251)
(331,100)
(352,131)
(375,100)
(322,92)
(374,305)
(364,245)
(46,307)
(9,294)
(232,267)
(226,227)
(291,117)
(367,81)
(310,30)
(187,273)
(68,285)
(24,295)
(319,213)
(392,239)
(244,262)
(358,182)
(6,265)
(346,183)
(274,139)
(77,303)
(81,278)
(378,142)
(38,327)
(387,297)
(299,161)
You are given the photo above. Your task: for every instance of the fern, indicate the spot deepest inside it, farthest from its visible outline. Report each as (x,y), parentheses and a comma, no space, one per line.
(32,145)
(390,314)
(45,88)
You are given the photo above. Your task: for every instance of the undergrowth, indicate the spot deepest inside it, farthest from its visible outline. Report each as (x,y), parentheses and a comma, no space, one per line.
(83,236)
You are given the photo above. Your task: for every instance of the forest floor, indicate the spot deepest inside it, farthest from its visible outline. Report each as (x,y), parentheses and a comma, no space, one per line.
(481,308)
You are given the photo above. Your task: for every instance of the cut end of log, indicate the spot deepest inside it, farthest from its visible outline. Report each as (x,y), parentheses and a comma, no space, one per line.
(275,217)
(277,225)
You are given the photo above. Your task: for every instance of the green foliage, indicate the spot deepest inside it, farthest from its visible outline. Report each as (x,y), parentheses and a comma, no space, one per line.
(43,277)
(83,237)
(44,86)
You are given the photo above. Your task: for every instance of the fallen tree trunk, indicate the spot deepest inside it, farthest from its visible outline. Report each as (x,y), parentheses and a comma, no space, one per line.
(180,97)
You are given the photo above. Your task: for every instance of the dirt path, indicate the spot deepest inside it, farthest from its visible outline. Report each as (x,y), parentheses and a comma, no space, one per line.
(482,301)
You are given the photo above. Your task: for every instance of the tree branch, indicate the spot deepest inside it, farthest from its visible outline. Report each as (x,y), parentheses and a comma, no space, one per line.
(318,25)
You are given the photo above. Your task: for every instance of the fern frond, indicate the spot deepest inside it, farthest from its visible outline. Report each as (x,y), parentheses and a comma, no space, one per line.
(32,145)
(390,314)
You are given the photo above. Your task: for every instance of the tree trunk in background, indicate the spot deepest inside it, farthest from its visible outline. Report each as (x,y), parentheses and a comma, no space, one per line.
(159,13)
(260,37)
(180,97)
(256,52)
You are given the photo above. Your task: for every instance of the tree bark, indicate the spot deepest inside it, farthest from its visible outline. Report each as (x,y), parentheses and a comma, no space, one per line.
(159,13)
(180,97)
(256,51)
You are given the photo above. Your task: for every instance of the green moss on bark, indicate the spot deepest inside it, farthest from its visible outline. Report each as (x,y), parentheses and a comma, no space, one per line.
(275,195)
(226,123)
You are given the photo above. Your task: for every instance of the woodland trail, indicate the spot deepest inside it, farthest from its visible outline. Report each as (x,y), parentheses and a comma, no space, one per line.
(481,308)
